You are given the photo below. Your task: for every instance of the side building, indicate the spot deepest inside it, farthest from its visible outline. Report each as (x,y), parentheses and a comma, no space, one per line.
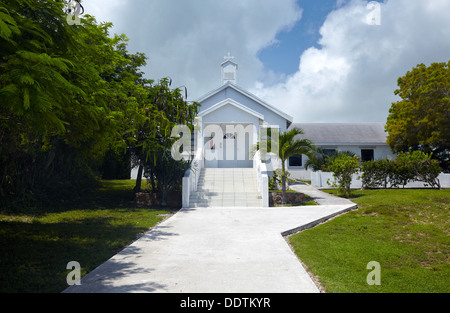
(367,140)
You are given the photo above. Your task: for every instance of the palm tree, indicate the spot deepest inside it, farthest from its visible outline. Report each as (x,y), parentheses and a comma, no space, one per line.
(288,146)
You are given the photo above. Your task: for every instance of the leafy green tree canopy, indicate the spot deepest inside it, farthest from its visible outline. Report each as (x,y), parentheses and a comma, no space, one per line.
(421,120)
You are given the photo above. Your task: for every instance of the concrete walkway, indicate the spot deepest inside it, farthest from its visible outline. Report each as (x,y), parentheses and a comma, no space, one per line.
(322,198)
(215,250)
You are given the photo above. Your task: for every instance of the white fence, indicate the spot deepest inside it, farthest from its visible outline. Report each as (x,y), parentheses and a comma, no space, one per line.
(319,179)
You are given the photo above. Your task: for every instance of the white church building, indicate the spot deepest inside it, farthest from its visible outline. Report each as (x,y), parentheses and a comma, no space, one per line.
(232,120)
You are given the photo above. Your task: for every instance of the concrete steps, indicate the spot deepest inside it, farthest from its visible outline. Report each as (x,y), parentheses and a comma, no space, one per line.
(228,187)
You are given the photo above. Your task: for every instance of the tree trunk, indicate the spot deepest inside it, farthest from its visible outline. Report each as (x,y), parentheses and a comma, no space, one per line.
(164,197)
(151,175)
(137,188)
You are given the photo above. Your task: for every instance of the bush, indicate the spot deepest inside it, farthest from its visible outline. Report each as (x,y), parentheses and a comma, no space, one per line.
(275,180)
(343,168)
(424,169)
(376,173)
(384,173)
(407,167)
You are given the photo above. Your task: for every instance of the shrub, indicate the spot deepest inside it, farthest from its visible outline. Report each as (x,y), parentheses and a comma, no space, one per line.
(343,168)
(384,173)
(407,167)
(424,169)
(376,173)
(401,172)
(275,181)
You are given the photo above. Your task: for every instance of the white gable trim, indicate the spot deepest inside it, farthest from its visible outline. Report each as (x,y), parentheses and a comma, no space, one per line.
(233,103)
(249,95)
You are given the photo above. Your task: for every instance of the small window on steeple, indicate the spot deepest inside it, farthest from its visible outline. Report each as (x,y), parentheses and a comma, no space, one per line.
(229,70)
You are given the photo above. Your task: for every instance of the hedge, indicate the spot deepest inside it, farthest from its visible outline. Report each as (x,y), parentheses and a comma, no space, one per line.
(407,167)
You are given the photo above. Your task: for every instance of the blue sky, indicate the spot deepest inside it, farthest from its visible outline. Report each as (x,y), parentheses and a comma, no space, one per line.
(284,56)
(319,61)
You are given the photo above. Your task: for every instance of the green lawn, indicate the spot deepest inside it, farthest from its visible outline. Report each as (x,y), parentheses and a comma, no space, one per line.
(405,231)
(306,201)
(37,243)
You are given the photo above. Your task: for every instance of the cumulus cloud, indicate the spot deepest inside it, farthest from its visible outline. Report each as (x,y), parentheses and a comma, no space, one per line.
(187,40)
(349,76)
(353,75)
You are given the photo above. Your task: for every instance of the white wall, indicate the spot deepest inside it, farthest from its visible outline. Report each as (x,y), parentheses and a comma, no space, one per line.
(230,114)
(380,152)
(134,173)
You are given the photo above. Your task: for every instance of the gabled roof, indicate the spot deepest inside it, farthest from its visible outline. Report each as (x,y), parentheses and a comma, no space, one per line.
(232,103)
(249,95)
(343,133)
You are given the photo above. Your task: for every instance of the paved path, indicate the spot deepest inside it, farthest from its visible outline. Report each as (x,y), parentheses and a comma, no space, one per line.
(319,196)
(213,250)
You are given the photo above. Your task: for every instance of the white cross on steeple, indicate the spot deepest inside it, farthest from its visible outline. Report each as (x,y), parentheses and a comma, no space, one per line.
(229,70)
(228,57)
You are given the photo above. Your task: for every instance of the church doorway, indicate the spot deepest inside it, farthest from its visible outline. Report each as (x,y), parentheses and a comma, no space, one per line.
(230,146)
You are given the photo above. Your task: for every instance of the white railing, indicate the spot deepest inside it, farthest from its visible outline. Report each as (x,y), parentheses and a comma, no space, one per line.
(262,178)
(191,177)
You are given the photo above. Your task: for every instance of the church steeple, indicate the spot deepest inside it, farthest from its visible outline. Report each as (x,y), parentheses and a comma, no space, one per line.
(229,70)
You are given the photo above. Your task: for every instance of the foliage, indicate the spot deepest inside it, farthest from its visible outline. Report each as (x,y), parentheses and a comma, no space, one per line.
(376,173)
(69,94)
(422,167)
(275,181)
(167,174)
(407,167)
(116,165)
(319,160)
(421,120)
(288,144)
(38,109)
(153,137)
(343,167)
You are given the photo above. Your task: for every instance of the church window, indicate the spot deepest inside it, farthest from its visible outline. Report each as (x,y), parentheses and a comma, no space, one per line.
(229,136)
(367,155)
(295,161)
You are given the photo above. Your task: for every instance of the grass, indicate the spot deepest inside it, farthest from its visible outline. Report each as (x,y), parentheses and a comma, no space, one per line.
(37,243)
(406,231)
(306,201)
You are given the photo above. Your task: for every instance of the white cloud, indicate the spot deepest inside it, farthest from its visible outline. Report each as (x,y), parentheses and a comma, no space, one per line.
(352,77)
(187,40)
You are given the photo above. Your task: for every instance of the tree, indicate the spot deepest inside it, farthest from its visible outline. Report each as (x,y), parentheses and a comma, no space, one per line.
(168,173)
(343,168)
(421,120)
(317,160)
(153,134)
(68,93)
(288,145)
(36,91)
